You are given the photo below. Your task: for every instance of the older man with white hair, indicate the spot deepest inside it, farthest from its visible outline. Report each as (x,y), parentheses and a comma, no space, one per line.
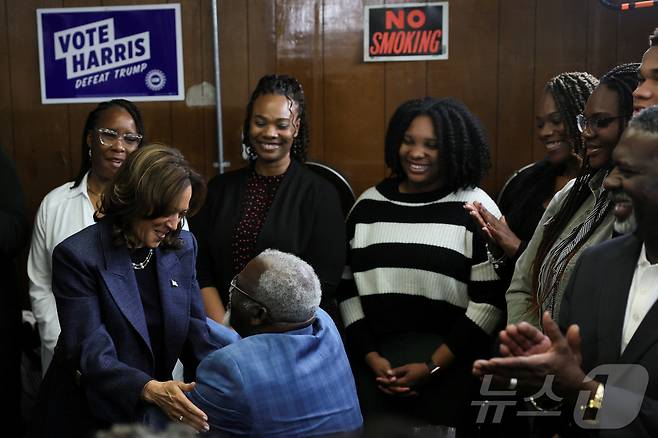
(288,375)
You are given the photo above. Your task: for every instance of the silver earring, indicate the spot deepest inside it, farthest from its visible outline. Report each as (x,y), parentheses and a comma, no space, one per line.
(89,153)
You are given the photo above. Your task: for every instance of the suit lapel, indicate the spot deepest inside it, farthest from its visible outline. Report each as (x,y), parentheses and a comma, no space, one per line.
(614,297)
(174,293)
(122,284)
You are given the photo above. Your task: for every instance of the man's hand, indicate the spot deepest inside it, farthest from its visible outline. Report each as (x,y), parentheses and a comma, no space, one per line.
(562,359)
(523,339)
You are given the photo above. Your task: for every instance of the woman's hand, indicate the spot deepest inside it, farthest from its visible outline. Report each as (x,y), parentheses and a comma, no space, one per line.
(496,230)
(473,210)
(169,396)
(410,376)
(384,374)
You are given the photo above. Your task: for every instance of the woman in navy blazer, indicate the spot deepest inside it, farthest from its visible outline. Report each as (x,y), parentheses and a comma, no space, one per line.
(129,304)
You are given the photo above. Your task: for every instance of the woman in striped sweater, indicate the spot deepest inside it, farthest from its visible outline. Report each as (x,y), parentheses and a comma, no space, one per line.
(419,298)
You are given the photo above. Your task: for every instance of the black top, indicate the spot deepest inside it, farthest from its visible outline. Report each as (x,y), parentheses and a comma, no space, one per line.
(149,292)
(259,194)
(522,204)
(305,219)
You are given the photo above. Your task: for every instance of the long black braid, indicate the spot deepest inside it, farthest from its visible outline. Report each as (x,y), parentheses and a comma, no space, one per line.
(622,80)
(288,86)
(90,124)
(461,138)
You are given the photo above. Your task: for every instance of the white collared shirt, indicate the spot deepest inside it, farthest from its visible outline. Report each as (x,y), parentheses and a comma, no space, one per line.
(63,212)
(641,297)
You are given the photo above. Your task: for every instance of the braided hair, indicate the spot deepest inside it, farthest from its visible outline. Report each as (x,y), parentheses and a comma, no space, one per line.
(570,91)
(622,80)
(461,137)
(282,85)
(90,124)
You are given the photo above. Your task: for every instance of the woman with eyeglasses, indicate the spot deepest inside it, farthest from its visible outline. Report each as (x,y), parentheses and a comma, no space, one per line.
(112,131)
(526,195)
(129,304)
(579,215)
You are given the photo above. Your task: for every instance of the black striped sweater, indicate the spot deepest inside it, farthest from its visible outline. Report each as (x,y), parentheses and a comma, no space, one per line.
(416,262)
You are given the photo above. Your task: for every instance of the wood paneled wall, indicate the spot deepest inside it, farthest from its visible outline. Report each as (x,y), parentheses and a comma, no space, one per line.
(501,54)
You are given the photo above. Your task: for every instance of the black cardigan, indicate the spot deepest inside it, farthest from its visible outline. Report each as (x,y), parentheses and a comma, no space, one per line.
(305,219)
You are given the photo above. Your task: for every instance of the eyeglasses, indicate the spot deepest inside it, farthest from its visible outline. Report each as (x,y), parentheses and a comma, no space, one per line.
(234,286)
(109,137)
(594,122)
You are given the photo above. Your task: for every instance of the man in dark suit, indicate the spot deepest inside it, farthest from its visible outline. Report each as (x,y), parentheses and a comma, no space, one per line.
(609,313)
(288,376)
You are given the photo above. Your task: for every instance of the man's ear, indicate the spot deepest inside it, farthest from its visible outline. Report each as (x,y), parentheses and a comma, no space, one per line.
(259,315)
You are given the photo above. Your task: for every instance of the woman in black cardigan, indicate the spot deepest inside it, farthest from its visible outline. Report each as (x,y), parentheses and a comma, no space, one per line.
(274,202)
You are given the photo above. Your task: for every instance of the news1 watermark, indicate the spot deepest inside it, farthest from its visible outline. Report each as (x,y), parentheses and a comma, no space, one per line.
(625,387)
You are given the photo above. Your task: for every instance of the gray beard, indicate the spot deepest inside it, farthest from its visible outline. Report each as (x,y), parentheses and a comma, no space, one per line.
(627,227)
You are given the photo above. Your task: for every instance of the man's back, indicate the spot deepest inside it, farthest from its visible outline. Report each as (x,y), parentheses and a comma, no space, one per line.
(295,383)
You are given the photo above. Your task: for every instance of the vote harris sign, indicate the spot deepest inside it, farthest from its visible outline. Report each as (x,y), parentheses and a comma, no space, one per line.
(405,32)
(100,53)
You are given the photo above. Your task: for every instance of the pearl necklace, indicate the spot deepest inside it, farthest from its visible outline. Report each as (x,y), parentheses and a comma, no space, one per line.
(146,261)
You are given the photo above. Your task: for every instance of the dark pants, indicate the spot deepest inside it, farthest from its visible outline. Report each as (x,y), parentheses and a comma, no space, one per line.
(61,408)
(444,400)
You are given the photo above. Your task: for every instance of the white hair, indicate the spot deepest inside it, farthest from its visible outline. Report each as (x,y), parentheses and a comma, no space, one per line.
(289,287)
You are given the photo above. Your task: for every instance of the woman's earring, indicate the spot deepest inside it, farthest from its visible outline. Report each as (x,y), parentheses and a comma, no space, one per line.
(244,147)
(89,153)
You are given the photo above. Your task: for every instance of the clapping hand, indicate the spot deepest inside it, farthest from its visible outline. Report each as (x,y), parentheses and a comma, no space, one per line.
(559,356)
(497,232)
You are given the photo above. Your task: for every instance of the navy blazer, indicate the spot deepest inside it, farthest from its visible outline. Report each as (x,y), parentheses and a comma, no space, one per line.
(104,332)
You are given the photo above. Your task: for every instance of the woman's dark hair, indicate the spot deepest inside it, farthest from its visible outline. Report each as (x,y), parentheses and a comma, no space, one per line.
(147,186)
(570,91)
(90,124)
(622,80)
(462,141)
(288,86)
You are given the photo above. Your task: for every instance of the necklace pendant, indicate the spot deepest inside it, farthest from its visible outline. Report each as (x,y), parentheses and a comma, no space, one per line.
(142,265)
